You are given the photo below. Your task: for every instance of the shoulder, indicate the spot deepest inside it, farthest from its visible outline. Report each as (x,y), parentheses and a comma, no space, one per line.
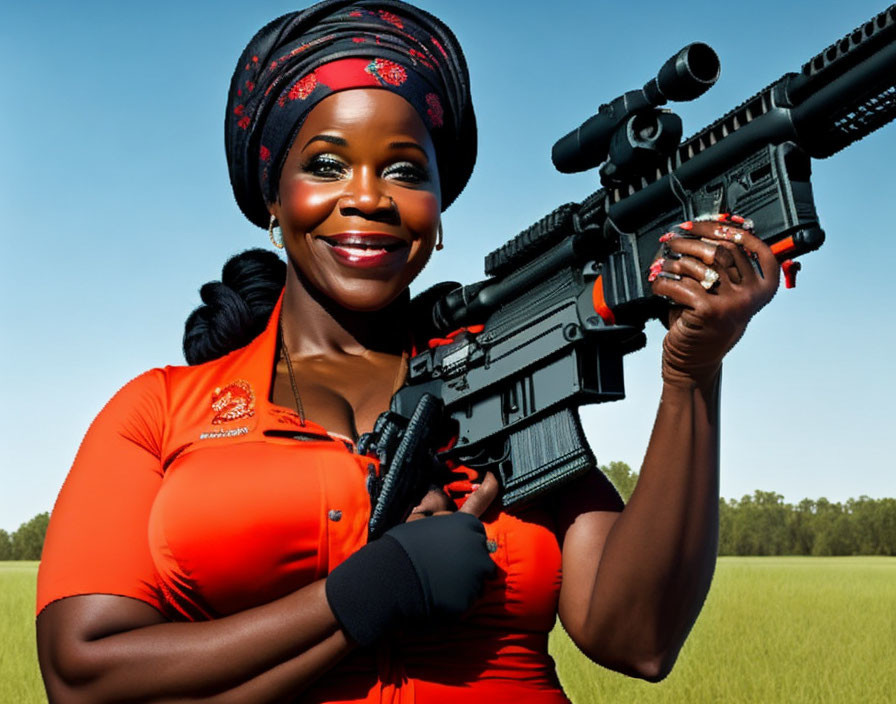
(149,408)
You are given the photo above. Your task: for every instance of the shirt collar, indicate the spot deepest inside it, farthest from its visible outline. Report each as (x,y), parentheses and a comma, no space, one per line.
(258,360)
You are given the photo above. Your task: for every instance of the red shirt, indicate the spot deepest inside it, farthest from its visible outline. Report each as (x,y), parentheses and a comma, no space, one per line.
(195,494)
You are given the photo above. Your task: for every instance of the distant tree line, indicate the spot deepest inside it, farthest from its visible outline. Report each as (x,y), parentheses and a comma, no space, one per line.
(763,524)
(26,542)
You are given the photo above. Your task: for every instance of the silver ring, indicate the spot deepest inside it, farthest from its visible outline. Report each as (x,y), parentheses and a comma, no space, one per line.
(710,279)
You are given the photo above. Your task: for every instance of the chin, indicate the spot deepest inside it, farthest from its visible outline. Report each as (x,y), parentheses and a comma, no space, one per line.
(367,298)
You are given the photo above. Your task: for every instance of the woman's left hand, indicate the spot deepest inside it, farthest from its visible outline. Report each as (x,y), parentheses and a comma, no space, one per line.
(719,274)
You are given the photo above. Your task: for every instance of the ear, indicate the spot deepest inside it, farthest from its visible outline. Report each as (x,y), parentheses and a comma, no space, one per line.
(274,209)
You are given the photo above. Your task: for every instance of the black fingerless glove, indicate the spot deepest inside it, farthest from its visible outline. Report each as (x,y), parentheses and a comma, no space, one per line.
(424,570)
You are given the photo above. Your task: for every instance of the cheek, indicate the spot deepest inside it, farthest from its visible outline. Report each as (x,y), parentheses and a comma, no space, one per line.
(421,214)
(305,205)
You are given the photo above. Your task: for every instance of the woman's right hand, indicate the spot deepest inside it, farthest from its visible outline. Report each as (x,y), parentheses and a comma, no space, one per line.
(450,558)
(419,571)
(437,503)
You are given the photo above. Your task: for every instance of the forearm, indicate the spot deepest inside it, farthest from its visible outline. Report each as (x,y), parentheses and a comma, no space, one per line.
(263,654)
(659,556)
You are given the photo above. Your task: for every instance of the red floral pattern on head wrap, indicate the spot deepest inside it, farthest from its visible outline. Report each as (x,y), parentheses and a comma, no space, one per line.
(387,71)
(434,110)
(392,18)
(439,46)
(303,87)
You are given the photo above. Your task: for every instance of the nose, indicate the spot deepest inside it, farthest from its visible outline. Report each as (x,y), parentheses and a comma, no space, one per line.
(365,195)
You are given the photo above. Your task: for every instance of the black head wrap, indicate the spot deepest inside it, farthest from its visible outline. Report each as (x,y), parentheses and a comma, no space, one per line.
(300,58)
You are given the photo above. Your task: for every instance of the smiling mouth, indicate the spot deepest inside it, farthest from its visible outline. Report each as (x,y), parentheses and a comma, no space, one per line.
(365,244)
(366,249)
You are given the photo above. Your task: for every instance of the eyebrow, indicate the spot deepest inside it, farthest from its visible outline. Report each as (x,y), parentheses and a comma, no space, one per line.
(411,145)
(330,139)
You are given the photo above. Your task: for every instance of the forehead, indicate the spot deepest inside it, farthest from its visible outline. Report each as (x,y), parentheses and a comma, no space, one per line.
(365,112)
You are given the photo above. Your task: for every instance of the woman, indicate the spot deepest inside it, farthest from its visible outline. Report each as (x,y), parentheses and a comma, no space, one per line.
(349,129)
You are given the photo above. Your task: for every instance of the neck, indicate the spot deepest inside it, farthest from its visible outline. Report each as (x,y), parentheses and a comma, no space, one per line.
(315,325)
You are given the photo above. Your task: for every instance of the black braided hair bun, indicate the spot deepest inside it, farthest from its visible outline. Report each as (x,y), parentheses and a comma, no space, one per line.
(235,309)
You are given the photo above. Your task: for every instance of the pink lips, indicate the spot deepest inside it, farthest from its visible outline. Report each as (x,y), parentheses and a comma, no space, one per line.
(367,249)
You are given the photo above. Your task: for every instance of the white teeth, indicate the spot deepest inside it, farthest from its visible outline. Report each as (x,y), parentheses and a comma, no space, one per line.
(362,247)
(361,251)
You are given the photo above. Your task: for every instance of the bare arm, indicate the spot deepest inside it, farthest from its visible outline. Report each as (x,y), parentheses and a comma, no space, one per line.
(634,582)
(101,648)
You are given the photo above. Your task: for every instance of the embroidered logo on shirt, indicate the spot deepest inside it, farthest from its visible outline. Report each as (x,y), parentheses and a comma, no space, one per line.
(232,402)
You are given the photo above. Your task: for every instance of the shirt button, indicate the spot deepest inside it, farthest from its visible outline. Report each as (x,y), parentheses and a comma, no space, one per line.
(334,515)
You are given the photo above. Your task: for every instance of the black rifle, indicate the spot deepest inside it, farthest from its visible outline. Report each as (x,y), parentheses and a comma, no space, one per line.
(568,297)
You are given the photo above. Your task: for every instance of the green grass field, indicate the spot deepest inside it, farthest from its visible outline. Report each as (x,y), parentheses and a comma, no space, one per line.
(774,629)
(19,677)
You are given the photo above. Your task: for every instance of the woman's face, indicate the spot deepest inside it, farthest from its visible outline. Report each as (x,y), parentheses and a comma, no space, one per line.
(359,199)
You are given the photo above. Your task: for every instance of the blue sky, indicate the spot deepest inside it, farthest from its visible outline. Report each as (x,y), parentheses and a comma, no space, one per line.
(115,207)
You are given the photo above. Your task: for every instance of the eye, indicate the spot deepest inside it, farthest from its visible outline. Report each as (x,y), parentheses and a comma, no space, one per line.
(407,172)
(325,166)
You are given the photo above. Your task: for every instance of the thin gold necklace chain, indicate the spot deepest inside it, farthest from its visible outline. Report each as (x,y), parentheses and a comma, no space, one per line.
(300,409)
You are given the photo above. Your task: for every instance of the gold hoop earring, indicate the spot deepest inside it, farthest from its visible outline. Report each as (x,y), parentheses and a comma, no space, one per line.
(276,240)
(439,245)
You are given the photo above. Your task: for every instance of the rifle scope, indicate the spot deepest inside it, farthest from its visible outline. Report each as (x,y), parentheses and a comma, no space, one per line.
(687,75)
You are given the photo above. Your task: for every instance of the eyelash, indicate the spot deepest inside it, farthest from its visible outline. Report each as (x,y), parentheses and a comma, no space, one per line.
(328,167)
(324,166)
(408,171)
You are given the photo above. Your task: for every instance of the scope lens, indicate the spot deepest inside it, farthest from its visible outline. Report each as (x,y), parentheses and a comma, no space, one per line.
(703,62)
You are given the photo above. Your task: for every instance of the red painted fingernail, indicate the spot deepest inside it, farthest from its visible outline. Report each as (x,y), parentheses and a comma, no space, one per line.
(668,236)
(724,216)
(652,276)
(687,225)
(737,219)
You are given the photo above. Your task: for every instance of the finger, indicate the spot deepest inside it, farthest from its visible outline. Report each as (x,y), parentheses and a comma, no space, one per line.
(741,262)
(724,260)
(479,501)
(708,277)
(726,219)
(435,502)
(427,514)
(686,245)
(684,292)
(728,224)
